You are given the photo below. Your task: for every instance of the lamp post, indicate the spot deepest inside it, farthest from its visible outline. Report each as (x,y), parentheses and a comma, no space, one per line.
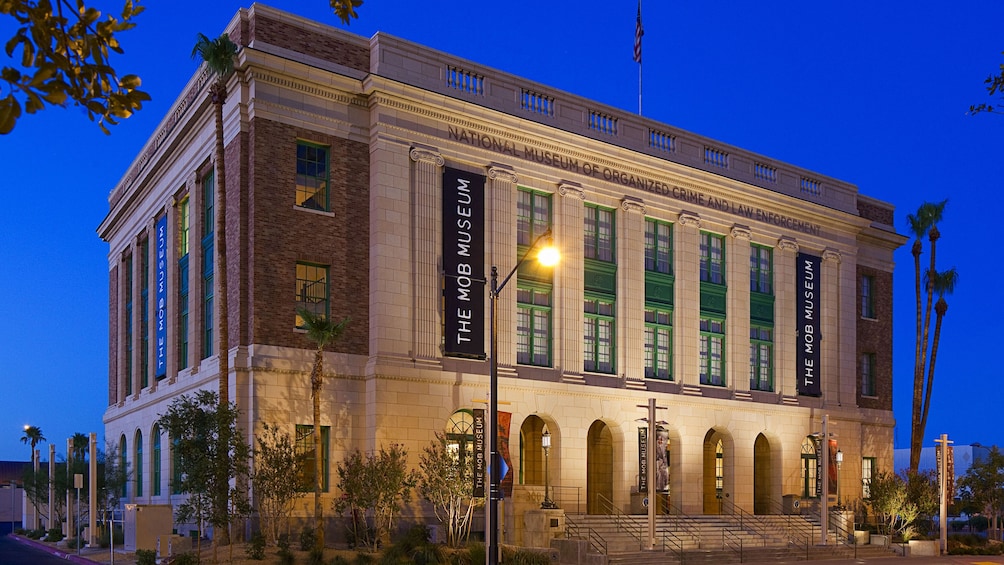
(548,256)
(840,462)
(546,442)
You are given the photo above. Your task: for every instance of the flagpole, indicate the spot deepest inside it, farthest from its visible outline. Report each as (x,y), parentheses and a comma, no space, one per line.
(639,31)
(639,88)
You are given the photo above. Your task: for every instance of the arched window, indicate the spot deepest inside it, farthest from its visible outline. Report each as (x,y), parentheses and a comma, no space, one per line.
(139,463)
(155,463)
(460,434)
(122,466)
(808,468)
(719,468)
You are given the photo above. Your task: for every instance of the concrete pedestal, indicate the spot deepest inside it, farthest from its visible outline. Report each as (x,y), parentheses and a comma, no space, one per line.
(541,526)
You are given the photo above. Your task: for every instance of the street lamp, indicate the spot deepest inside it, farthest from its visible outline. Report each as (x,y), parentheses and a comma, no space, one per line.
(548,257)
(546,441)
(840,462)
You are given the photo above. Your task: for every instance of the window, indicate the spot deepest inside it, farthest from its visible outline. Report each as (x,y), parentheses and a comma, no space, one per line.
(184,219)
(311,290)
(123,465)
(305,455)
(761,358)
(658,246)
(658,343)
(808,468)
(599,233)
(598,336)
(460,434)
(155,463)
(311,176)
(867,472)
(761,269)
(139,464)
(208,284)
(533,215)
(128,325)
(719,468)
(144,313)
(867,297)
(867,374)
(712,258)
(712,352)
(533,325)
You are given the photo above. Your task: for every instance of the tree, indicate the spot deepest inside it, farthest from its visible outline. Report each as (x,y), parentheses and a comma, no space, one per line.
(983,485)
(33,436)
(65,47)
(79,444)
(923,223)
(274,479)
(995,86)
(940,283)
(891,504)
(447,481)
(212,452)
(321,331)
(373,485)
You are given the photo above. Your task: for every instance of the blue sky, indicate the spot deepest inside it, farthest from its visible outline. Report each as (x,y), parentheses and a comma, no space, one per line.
(873,93)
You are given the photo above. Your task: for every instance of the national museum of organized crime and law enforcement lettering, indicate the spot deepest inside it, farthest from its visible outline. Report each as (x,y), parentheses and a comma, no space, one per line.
(380,180)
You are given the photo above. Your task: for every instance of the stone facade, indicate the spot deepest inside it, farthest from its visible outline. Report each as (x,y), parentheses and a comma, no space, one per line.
(393,116)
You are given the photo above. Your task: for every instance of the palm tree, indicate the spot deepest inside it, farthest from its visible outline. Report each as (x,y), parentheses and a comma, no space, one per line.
(80,443)
(32,435)
(321,331)
(923,223)
(219,55)
(941,283)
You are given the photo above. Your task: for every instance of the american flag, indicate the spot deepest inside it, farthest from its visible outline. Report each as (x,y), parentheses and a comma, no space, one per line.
(638,32)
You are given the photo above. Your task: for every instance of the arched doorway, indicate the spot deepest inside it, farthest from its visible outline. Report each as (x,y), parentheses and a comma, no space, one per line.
(809,462)
(531,451)
(714,472)
(761,475)
(599,468)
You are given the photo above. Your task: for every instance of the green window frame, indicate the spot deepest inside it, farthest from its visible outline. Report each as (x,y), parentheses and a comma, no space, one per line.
(533,324)
(460,435)
(809,468)
(867,368)
(313,176)
(598,233)
(712,354)
(208,260)
(533,215)
(144,313)
(128,325)
(184,221)
(304,446)
(761,358)
(719,468)
(139,463)
(155,463)
(658,343)
(867,473)
(312,292)
(712,258)
(123,466)
(599,335)
(868,297)
(761,269)
(658,246)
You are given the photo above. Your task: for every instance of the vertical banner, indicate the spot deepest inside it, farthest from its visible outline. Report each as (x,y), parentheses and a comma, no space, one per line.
(831,468)
(161,307)
(642,459)
(479,453)
(949,472)
(464,263)
(807,311)
(505,477)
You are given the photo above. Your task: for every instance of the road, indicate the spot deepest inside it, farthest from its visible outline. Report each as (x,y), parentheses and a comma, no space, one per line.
(13,552)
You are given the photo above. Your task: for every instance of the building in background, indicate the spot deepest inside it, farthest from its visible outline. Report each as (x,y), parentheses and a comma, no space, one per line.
(381,180)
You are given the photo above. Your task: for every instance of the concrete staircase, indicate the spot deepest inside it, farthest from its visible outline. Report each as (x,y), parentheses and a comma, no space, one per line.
(713,539)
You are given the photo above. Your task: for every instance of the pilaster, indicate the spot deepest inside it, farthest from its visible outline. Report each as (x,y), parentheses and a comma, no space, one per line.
(426,241)
(502,255)
(831,326)
(686,327)
(569,281)
(737,320)
(785,334)
(631,291)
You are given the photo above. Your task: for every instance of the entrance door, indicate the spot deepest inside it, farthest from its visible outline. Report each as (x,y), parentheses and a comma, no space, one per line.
(761,475)
(599,469)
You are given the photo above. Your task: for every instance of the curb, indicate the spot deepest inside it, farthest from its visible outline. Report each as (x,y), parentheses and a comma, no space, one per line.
(71,557)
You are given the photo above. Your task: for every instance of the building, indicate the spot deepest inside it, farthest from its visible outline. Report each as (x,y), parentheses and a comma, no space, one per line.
(381,180)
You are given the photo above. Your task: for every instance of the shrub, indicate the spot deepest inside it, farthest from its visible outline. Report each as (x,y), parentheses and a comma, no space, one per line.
(338,560)
(363,559)
(186,559)
(72,543)
(316,556)
(286,557)
(54,534)
(283,542)
(256,547)
(146,557)
(307,538)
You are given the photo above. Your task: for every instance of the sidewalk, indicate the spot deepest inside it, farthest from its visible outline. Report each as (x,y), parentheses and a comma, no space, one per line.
(88,555)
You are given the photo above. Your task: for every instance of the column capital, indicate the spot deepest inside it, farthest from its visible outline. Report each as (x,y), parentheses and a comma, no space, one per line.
(632,204)
(422,155)
(786,243)
(502,172)
(567,188)
(830,254)
(740,231)
(690,219)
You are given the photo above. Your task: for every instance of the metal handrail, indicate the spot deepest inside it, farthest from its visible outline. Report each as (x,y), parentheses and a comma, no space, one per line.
(843,536)
(795,537)
(592,537)
(622,520)
(676,547)
(683,522)
(730,540)
(747,522)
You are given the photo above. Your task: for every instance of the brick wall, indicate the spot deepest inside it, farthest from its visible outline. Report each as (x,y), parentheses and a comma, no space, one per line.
(883,215)
(309,42)
(279,235)
(875,336)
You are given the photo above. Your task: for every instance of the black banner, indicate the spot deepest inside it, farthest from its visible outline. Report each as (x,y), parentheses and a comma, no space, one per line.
(464,263)
(807,314)
(479,452)
(643,460)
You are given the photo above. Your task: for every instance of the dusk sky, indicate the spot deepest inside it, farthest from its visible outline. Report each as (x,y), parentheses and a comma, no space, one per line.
(872,93)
